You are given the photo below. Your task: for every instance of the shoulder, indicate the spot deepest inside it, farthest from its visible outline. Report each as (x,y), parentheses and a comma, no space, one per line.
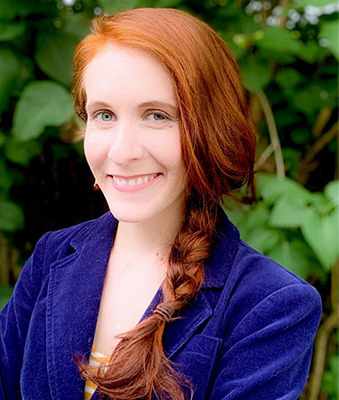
(61,242)
(58,245)
(257,291)
(267,297)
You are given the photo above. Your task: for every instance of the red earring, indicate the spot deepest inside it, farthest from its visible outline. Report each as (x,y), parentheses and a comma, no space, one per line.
(96,186)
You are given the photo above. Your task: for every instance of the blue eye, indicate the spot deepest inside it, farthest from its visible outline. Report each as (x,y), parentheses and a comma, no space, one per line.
(158,116)
(104,116)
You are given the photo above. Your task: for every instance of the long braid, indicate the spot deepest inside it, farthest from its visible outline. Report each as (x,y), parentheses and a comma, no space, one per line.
(149,371)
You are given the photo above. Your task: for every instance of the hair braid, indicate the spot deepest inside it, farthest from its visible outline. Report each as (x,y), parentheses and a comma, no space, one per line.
(129,377)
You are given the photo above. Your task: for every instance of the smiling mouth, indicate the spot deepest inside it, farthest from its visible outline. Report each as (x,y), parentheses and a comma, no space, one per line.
(136,180)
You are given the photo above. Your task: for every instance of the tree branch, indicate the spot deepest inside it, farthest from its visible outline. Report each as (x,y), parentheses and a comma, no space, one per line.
(273,132)
(305,165)
(264,156)
(323,335)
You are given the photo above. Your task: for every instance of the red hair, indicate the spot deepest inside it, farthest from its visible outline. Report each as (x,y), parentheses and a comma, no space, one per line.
(218,150)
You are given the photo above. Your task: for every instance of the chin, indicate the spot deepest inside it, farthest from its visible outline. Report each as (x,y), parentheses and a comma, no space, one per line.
(131,214)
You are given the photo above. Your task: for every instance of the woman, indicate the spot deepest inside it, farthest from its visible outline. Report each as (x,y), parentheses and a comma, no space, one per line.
(160,294)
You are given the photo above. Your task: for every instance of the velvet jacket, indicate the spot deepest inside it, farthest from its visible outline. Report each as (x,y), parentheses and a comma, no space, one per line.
(248,334)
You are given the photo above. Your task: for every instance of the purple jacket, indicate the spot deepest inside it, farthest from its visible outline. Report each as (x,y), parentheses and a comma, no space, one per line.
(248,335)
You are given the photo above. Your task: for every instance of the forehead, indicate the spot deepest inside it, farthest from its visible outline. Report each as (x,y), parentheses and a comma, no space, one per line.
(127,72)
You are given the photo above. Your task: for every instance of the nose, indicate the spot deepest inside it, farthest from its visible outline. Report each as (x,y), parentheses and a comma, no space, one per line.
(126,144)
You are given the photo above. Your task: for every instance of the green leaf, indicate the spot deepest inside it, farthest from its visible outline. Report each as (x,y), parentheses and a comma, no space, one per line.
(167,3)
(279,40)
(9,9)
(319,201)
(311,52)
(288,212)
(11,216)
(54,55)
(314,3)
(229,38)
(41,104)
(293,255)
(10,31)
(270,55)
(288,78)
(116,6)
(5,294)
(263,239)
(321,233)
(332,191)
(255,217)
(270,187)
(329,30)
(313,97)
(9,66)
(301,135)
(21,152)
(255,75)
(76,26)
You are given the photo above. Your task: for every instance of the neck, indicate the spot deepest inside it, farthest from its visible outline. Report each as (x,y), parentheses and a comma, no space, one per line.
(149,238)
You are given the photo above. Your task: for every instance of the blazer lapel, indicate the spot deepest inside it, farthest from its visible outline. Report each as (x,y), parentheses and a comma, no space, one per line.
(75,289)
(180,330)
(217,268)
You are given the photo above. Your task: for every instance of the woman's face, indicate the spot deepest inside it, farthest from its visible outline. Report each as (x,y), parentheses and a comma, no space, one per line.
(132,140)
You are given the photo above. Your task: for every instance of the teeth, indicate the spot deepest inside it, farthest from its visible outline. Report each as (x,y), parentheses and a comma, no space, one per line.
(132,182)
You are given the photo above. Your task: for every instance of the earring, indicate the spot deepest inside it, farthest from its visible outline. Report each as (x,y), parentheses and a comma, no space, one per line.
(96,186)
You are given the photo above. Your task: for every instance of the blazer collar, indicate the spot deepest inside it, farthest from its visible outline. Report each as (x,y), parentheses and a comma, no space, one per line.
(217,267)
(75,289)
(226,244)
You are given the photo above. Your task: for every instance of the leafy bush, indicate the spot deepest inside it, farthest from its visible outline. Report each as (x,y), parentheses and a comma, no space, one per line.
(287,52)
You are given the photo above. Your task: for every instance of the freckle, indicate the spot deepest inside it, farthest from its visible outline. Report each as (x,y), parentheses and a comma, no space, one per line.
(157,254)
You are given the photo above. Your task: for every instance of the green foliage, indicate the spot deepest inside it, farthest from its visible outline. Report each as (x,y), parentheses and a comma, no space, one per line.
(45,183)
(5,293)
(295,227)
(329,30)
(54,55)
(11,216)
(41,104)
(255,75)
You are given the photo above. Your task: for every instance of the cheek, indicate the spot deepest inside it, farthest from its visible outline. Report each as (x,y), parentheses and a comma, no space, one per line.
(173,154)
(167,151)
(94,151)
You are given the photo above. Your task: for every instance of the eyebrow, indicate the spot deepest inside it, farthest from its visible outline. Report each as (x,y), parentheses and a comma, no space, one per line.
(153,103)
(160,104)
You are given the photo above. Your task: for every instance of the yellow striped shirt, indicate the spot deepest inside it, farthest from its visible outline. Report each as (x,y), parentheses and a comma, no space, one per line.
(96,359)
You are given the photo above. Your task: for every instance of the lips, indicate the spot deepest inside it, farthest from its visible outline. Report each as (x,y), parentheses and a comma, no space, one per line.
(133,183)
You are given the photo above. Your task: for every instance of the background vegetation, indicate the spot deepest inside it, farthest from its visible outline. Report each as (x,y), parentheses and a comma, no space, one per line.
(287,52)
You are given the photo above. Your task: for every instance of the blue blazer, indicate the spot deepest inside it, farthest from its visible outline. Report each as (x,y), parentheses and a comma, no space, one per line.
(248,334)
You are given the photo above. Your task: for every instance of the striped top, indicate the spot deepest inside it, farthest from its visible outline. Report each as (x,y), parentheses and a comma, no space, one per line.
(96,359)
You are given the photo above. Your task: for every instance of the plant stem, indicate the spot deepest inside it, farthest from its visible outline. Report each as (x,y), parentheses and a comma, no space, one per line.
(264,156)
(305,166)
(273,132)
(323,335)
